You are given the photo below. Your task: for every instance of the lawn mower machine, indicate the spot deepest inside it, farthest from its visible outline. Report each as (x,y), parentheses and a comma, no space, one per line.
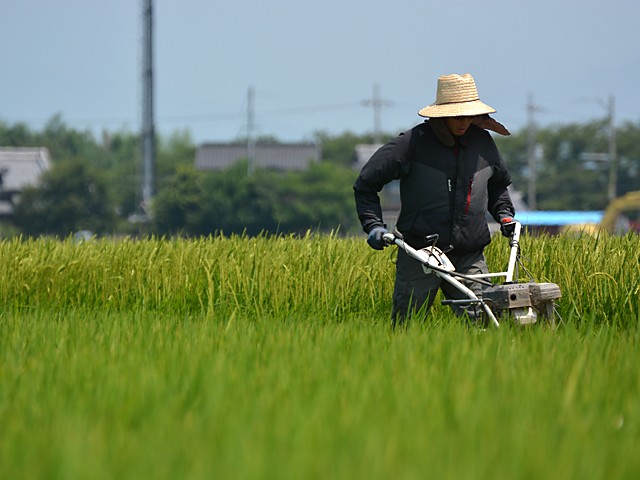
(522,302)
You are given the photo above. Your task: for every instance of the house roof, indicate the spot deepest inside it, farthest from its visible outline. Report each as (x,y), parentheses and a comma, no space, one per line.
(290,156)
(22,166)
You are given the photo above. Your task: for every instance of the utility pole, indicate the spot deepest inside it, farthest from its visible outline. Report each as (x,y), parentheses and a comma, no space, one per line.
(148,129)
(251,143)
(531,153)
(613,157)
(377,103)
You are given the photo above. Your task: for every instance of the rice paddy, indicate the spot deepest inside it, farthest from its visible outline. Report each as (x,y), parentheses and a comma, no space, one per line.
(272,357)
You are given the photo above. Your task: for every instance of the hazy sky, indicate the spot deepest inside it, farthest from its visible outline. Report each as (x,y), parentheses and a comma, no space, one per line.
(313,63)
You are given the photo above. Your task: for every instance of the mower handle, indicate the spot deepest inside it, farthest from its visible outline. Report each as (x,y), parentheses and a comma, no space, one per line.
(389,238)
(514,243)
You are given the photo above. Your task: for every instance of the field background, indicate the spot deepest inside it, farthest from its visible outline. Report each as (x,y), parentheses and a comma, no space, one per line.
(273,358)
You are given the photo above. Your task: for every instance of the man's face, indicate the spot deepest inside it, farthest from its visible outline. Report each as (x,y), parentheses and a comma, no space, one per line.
(458,125)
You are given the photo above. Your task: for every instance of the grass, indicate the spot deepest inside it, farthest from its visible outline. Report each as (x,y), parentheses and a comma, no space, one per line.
(276,276)
(326,276)
(273,358)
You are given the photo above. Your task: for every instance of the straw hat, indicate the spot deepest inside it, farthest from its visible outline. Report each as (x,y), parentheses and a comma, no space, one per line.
(456,96)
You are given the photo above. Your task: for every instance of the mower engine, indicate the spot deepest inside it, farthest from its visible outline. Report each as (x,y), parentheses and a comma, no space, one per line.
(523,301)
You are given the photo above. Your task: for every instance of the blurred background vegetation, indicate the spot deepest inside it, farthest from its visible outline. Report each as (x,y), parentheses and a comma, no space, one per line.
(94,183)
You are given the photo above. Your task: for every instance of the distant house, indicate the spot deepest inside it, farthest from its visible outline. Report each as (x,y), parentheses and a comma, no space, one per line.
(20,167)
(286,156)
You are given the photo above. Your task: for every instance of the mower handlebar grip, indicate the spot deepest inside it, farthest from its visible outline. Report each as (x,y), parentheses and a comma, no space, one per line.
(389,237)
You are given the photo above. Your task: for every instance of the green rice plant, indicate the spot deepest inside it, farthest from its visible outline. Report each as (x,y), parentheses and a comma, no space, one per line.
(262,275)
(330,277)
(161,395)
(272,357)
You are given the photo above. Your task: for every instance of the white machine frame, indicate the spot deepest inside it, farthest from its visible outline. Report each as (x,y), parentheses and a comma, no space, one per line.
(434,260)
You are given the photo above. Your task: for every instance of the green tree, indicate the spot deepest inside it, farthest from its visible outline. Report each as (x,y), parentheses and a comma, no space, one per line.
(568,178)
(175,150)
(628,146)
(198,203)
(119,158)
(66,143)
(72,196)
(320,198)
(177,202)
(18,135)
(232,201)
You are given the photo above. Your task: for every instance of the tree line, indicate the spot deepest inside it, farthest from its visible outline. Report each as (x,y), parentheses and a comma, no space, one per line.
(94,183)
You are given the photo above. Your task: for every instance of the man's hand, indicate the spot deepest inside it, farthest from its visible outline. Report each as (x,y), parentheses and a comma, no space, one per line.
(507,226)
(375,239)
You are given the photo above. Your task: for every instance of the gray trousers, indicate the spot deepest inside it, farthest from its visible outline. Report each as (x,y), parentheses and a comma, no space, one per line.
(414,291)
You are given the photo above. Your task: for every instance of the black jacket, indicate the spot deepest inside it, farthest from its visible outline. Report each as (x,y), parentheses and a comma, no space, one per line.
(446,186)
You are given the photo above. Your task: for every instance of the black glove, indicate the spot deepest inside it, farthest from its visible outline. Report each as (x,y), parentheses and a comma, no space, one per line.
(375,239)
(507,226)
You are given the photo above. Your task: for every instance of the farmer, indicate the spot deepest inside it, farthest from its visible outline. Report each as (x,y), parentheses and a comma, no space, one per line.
(451,174)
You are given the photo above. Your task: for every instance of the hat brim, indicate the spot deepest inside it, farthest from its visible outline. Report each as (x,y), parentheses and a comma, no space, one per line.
(463,109)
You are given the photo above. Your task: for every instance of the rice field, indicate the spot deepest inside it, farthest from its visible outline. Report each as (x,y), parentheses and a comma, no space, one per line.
(272,357)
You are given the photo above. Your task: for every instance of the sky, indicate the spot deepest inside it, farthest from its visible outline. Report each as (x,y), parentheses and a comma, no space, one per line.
(313,65)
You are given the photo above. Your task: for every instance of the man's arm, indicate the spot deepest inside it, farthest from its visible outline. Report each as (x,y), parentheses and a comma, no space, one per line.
(384,166)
